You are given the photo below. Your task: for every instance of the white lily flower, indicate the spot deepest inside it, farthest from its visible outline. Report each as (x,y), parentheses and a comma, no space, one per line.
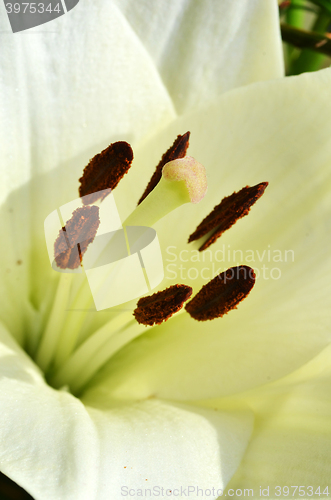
(142,72)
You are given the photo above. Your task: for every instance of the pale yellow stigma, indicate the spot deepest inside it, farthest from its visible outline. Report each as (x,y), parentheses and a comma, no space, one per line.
(189,170)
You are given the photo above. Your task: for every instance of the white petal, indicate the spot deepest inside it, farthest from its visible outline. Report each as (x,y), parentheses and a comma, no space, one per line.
(156,444)
(55,447)
(292,437)
(265,132)
(72,87)
(205,48)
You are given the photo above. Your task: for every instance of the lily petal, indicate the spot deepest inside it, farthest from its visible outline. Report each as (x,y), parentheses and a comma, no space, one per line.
(72,451)
(81,82)
(203,49)
(292,437)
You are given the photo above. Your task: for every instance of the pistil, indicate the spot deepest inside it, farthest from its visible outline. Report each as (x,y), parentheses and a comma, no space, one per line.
(183,181)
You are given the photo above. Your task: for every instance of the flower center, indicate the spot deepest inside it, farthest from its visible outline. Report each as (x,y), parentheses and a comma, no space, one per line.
(71,351)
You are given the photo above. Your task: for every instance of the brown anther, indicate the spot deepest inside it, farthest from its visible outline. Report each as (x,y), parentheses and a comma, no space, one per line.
(78,232)
(160,306)
(222,293)
(177,150)
(224,215)
(105,170)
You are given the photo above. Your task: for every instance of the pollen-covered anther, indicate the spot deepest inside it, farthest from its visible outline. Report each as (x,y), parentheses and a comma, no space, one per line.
(78,232)
(189,170)
(222,293)
(104,171)
(160,306)
(177,150)
(224,215)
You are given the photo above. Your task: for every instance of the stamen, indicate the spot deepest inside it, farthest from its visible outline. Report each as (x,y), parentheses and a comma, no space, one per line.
(52,330)
(76,363)
(105,170)
(160,306)
(115,343)
(177,150)
(79,231)
(224,215)
(222,294)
